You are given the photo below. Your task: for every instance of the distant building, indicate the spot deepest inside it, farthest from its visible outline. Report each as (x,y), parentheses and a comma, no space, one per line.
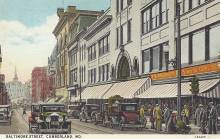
(40,84)
(16,89)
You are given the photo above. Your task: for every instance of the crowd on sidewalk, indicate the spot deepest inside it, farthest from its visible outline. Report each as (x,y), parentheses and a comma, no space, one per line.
(205,117)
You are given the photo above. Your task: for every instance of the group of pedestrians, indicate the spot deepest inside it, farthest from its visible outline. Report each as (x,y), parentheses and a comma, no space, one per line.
(205,118)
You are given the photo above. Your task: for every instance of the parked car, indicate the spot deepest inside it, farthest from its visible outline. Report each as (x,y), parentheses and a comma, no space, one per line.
(5,114)
(53,119)
(32,119)
(125,115)
(73,111)
(88,112)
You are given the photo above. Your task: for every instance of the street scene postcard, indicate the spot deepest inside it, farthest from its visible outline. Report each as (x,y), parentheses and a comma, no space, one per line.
(94,68)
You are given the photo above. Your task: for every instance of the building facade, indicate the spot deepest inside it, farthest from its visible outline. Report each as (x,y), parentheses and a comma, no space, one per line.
(17,90)
(131,51)
(70,23)
(40,84)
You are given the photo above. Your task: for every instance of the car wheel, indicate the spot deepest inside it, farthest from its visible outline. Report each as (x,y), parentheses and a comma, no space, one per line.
(121,127)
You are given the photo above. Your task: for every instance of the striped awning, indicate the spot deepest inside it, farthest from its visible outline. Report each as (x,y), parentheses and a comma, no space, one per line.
(126,89)
(94,92)
(170,90)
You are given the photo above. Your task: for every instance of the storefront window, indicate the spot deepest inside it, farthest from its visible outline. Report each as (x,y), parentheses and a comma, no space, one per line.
(198,46)
(214,42)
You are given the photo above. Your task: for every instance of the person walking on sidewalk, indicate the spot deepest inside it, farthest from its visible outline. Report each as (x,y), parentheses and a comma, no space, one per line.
(185,115)
(212,118)
(158,117)
(197,115)
(203,119)
(142,116)
(172,123)
(166,116)
(152,120)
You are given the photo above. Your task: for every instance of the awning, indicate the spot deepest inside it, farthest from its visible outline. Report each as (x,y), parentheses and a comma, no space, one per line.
(126,89)
(94,92)
(170,90)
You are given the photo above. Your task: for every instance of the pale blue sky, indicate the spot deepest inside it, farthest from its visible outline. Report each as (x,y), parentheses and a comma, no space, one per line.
(26,32)
(34,12)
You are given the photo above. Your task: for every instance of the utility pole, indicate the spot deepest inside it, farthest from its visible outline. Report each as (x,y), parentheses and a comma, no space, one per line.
(178,58)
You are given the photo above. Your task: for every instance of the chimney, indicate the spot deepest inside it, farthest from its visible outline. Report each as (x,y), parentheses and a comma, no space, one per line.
(71,9)
(60,12)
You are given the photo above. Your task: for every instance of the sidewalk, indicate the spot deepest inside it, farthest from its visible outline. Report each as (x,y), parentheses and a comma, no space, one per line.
(194,129)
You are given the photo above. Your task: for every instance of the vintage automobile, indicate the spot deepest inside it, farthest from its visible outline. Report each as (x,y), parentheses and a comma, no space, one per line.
(5,114)
(53,119)
(73,111)
(124,115)
(32,119)
(89,112)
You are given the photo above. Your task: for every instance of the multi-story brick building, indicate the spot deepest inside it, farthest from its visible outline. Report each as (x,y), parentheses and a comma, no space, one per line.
(40,84)
(4,96)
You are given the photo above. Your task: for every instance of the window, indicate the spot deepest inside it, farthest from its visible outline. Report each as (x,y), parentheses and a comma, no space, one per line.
(186,5)
(154,16)
(92,75)
(156,58)
(214,42)
(146,61)
(164,53)
(198,46)
(104,45)
(129,31)
(185,50)
(124,33)
(92,52)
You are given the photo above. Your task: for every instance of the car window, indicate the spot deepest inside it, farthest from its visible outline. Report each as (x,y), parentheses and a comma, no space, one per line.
(3,110)
(53,108)
(129,108)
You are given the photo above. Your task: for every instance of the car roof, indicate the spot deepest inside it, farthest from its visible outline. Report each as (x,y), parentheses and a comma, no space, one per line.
(4,106)
(55,104)
(92,104)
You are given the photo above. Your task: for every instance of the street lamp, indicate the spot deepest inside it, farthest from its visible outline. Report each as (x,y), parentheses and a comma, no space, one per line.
(176,62)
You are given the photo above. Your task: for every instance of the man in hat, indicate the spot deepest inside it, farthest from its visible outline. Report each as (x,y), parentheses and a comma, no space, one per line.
(185,115)
(158,117)
(166,116)
(203,119)
(142,116)
(151,111)
(197,115)
(212,118)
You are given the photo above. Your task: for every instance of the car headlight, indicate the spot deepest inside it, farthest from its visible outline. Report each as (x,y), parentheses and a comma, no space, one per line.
(48,119)
(60,119)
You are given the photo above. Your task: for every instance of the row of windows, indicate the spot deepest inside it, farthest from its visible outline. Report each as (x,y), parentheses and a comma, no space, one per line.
(92,75)
(154,16)
(124,34)
(104,72)
(92,52)
(186,5)
(104,45)
(122,4)
(196,47)
(201,45)
(154,59)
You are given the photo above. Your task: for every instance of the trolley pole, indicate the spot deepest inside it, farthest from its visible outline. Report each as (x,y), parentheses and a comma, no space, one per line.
(178,57)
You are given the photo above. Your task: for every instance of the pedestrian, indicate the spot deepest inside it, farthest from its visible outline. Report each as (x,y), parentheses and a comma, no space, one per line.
(197,115)
(203,119)
(185,114)
(166,116)
(158,117)
(172,123)
(152,120)
(141,114)
(212,118)
(24,111)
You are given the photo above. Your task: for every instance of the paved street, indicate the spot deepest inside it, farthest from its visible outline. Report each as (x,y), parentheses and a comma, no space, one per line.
(18,125)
